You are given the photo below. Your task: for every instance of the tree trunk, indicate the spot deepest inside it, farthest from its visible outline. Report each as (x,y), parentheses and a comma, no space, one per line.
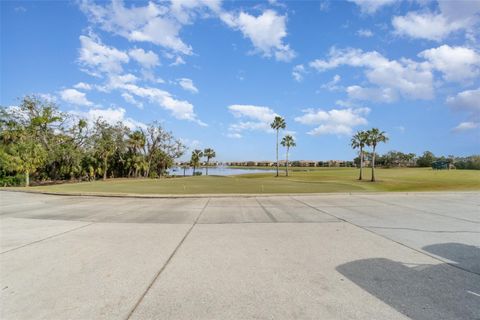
(277,153)
(27,178)
(208,160)
(193,173)
(373,164)
(105,167)
(361,163)
(287,163)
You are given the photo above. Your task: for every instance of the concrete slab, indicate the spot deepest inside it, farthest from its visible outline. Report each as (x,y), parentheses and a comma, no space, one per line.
(97,272)
(360,256)
(302,271)
(15,233)
(232,214)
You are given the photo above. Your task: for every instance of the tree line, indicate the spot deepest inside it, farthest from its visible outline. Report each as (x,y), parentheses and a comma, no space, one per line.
(39,141)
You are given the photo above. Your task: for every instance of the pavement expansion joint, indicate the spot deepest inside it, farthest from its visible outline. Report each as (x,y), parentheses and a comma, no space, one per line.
(47,238)
(157,275)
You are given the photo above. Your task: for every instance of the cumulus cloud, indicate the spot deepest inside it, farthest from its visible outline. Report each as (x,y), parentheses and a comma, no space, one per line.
(334,121)
(366,33)
(76,97)
(130,99)
(298,72)
(147,59)
(451,16)
(456,63)
(83,86)
(333,84)
(266,32)
(151,23)
(98,58)
(250,118)
(110,115)
(187,84)
(466,126)
(468,102)
(412,80)
(180,109)
(371,6)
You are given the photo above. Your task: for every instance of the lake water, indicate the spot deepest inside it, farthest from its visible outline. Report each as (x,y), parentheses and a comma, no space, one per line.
(217,171)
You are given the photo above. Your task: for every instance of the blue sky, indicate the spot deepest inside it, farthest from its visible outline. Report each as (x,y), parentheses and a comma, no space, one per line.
(216,73)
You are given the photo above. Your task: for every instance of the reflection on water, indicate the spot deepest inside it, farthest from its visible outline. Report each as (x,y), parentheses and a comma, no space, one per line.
(216,171)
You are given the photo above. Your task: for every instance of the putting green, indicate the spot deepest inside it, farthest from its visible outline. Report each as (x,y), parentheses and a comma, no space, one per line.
(314,181)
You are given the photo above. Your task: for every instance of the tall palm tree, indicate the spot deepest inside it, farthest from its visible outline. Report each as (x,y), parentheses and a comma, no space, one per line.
(288,142)
(375,136)
(359,141)
(195,159)
(277,124)
(209,153)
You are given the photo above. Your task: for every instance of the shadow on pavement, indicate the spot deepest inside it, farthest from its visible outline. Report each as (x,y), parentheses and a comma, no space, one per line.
(421,292)
(465,256)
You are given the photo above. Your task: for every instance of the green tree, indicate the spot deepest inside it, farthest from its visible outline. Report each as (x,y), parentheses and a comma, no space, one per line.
(195,159)
(136,143)
(277,124)
(426,159)
(27,133)
(375,136)
(288,142)
(359,141)
(107,141)
(209,153)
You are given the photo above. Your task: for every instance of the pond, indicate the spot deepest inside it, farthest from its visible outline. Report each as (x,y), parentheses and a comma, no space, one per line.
(217,171)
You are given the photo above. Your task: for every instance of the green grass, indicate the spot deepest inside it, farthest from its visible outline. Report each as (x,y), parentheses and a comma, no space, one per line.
(315,181)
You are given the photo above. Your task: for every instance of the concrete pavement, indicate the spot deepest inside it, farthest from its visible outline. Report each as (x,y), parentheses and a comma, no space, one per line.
(365,256)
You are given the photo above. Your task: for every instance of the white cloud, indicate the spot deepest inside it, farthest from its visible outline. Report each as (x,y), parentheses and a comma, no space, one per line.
(178,61)
(371,6)
(333,84)
(110,115)
(187,84)
(466,126)
(266,32)
(151,23)
(386,95)
(456,63)
(76,97)
(452,16)
(180,109)
(298,72)
(250,118)
(404,77)
(99,58)
(424,26)
(130,99)
(467,101)
(334,121)
(366,33)
(83,86)
(148,59)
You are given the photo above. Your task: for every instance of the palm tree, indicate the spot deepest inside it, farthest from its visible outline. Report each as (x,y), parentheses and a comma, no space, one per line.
(277,124)
(359,140)
(195,159)
(209,153)
(288,142)
(375,136)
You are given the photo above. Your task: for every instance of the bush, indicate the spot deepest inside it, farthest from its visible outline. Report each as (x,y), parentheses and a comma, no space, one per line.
(12,181)
(197,173)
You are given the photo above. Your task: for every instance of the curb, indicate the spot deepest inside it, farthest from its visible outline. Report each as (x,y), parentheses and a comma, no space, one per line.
(227,195)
